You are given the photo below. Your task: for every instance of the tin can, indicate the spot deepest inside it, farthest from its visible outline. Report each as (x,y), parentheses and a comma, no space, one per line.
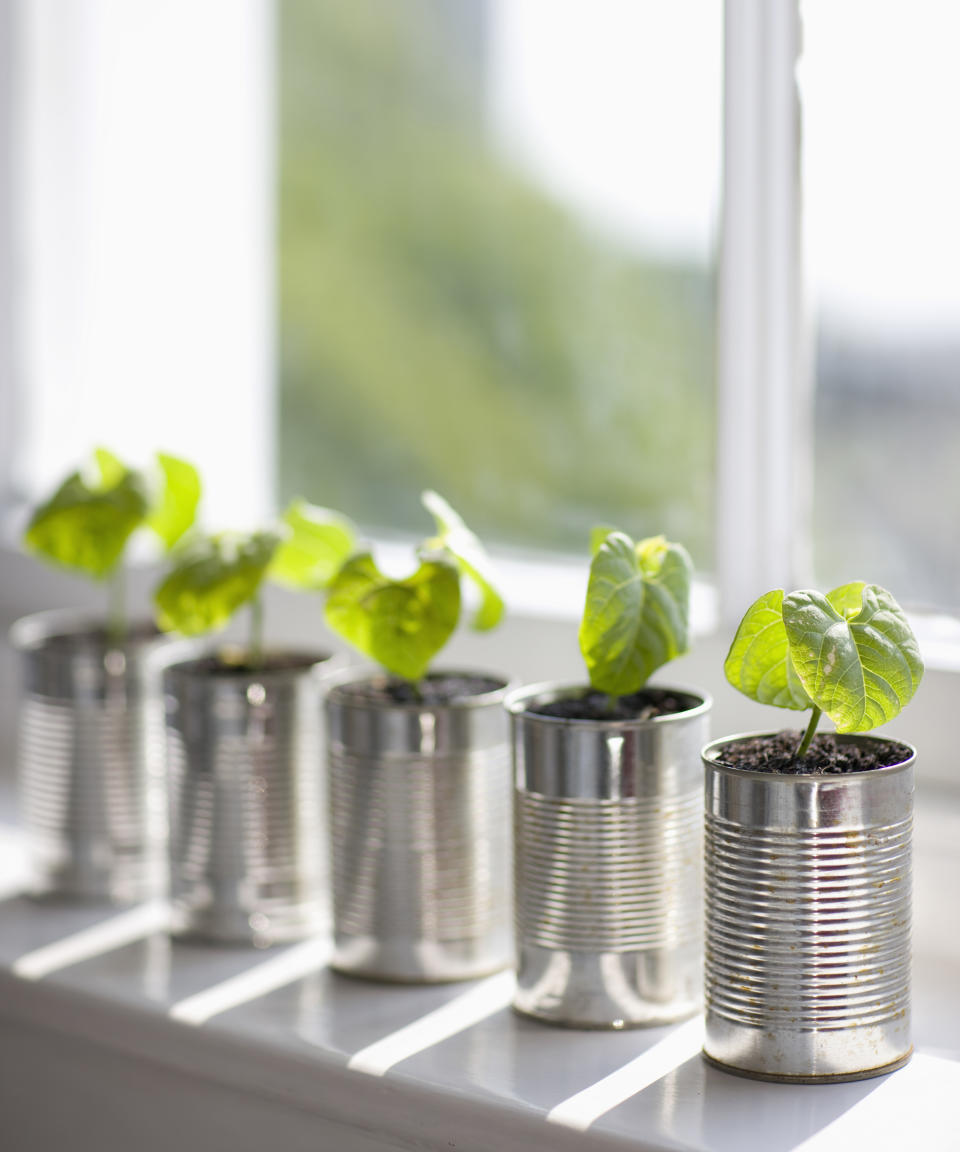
(419,832)
(808,897)
(247,828)
(90,758)
(608,891)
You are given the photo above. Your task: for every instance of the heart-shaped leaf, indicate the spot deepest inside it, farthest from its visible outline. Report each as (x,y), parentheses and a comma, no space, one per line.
(636,613)
(860,664)
(107,470)
(470,557)
(758,663)
(316,545)
(175,509)
(211,579)
(598,534)
(848,598)
(86,523)
(401,624)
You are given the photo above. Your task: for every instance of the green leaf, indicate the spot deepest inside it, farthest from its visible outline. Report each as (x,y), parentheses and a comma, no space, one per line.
(86,523)
(599,533)
(401,624)
(758,663)
(108,470)
(848,598)
(860,667)
(636,613)
(317,544)
(211,579)
(176,509)
(470,557)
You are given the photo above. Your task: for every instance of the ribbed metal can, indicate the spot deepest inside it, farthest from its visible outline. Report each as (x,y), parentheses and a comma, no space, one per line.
(419,832)
(244,753)
(808,905)
(608,891)
(90,759)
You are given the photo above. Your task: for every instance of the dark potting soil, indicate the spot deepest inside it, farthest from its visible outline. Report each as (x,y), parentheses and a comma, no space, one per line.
(826,756)
(434,688)
(646,704)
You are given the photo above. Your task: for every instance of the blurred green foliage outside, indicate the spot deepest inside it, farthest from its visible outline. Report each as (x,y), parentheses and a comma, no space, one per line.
(445,324)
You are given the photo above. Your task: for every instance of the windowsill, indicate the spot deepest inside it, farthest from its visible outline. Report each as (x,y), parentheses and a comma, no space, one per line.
(161,1041)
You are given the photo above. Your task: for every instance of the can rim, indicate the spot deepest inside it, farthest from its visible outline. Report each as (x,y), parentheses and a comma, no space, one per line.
(709,754)
(195,669)
(340,683)
(30,633)
(518,701)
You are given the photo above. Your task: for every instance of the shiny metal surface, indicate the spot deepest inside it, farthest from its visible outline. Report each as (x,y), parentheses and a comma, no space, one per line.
(608,836)
(420,834)
(499,1084)
(247,825)
(89,758)
(808,895)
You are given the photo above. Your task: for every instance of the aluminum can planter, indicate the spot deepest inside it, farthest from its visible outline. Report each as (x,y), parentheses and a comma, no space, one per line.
(247,827)
(420,832)
(90,758)
(808,895)
(608,890)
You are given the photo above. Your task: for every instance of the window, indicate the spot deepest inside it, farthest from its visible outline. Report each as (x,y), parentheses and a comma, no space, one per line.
(496,228)
(135,156)
(882,184)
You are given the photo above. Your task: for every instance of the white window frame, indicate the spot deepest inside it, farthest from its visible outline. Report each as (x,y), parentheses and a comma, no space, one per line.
(9,391)
(764,393)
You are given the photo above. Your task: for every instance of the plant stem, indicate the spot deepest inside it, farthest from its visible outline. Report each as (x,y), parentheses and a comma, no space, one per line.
(612,703)
(117,606)
(255,652)
(808,735)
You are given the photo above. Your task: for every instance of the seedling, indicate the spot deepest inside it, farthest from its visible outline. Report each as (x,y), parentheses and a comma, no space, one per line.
(218,574)
(88,522)
(636,616)
(403,624)
(850,654)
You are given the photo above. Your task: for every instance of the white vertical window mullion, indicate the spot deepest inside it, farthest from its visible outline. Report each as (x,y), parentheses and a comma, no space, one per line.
(9,396)
(763,424)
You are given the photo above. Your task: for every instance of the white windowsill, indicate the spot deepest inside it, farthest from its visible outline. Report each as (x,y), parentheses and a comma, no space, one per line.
(147,1044)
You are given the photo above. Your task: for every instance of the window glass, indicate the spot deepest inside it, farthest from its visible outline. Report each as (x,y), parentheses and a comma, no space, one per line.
(495,262)
(880,91)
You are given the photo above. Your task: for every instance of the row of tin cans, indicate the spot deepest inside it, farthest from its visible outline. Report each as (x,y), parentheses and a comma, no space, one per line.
(459,838)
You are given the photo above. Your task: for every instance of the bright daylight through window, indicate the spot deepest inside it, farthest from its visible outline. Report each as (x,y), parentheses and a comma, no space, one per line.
(496,237)
(880,91)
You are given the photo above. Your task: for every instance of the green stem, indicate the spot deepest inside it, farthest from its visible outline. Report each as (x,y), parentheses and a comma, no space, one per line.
(808,735)
(612,703)
(117,606)
(255,653)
